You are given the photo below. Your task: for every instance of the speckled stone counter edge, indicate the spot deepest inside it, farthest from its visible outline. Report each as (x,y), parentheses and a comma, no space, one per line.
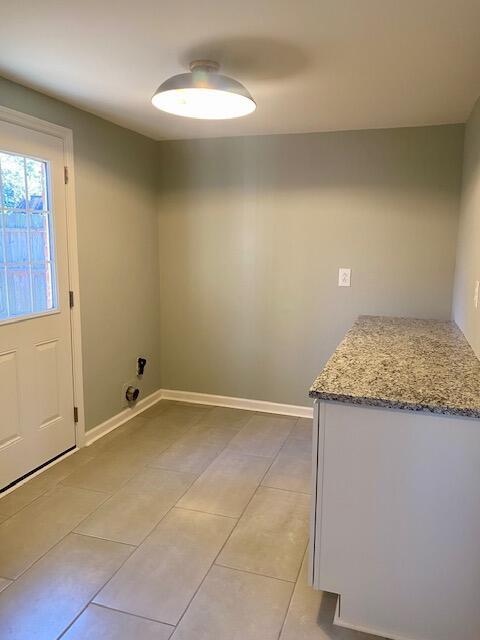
(394,404)
(439,408)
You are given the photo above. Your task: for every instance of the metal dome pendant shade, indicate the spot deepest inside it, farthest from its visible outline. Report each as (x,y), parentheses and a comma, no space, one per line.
(204,94)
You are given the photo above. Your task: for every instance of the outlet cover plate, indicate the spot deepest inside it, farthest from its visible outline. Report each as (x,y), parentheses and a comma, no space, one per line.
(344,277)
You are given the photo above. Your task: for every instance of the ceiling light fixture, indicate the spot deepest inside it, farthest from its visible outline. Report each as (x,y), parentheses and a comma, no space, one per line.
(204,93)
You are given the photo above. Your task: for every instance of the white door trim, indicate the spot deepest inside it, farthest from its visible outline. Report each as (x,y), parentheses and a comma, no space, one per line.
(66,135)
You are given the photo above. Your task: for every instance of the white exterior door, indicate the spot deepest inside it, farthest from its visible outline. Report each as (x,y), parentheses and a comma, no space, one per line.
(36,378)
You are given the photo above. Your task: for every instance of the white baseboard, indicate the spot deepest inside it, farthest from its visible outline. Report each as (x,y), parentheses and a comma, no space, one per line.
(120,418)
(194,398)
(238,403)
(181,396)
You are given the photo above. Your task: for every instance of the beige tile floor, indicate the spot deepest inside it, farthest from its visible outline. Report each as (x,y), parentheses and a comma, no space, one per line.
(189,523)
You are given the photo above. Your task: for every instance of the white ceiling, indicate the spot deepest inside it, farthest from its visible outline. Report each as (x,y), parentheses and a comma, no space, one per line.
(311,65)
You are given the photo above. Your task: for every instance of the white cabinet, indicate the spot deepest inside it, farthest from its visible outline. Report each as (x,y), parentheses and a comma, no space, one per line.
(396,520)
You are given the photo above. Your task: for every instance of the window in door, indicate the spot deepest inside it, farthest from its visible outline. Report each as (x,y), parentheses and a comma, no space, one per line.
(27,256)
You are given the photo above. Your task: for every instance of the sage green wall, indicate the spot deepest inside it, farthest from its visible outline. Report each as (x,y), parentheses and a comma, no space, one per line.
(468,249)
(252,232)
(254,229)
(118,248)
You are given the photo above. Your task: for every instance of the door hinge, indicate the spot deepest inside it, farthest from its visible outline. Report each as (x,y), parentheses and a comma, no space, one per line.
(65,174)
(71,299)
(75,414)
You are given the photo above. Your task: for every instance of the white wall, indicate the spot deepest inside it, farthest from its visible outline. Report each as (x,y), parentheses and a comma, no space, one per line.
(467,270)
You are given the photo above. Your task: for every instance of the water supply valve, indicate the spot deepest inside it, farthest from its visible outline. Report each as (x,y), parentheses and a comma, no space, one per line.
(141,363)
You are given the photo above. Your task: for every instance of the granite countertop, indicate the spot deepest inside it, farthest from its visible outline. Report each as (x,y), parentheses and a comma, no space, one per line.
(403,363)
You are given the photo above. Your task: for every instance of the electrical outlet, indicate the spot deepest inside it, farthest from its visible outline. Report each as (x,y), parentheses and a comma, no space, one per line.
(475,295)
(344,276)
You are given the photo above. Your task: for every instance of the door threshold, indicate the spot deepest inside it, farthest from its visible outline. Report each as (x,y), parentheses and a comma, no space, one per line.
(35,471)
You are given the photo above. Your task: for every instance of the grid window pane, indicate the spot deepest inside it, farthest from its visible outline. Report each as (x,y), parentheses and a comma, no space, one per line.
(3,296)
(13,181)
(36,184)
(41,287)
(19,291)
(38,220)
(15,219)
(16,245)
(2,244)
(27,265)
(39,249)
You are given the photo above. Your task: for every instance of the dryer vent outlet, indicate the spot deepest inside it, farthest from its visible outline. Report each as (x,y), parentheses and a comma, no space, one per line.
(131,394)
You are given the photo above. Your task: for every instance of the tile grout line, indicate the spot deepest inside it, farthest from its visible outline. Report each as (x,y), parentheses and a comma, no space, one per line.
(154,526)
(74,486)
(303,493)
(226,539)
(206,513)
(98,590)
(135,475)
(115,573)
(256,573)
(95,455)
(165,515)
(120,567)
(222,450)
(223,546)
(293,593)
(48,550)
(248,504)
(24,506)
(275,455)
(174,506)
(40,474)
(124,544)
(253,455)
(89,535)
(42,495)
(128,613)
(109,495)
(227,447)
(214,562)
(47,490)
(194,424)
